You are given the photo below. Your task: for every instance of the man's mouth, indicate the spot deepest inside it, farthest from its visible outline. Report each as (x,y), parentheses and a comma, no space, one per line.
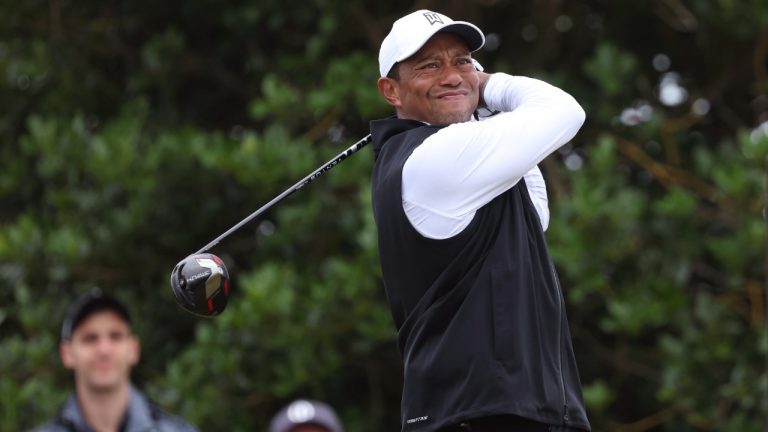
(103,367)
(452,95)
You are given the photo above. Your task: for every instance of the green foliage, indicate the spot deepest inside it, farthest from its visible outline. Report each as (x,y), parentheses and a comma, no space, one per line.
(133,134)
(609,67)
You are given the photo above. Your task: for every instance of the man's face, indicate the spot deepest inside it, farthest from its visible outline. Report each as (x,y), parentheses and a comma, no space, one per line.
(438,85)
(102,352)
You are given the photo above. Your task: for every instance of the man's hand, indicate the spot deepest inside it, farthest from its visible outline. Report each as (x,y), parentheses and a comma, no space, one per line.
(483,81)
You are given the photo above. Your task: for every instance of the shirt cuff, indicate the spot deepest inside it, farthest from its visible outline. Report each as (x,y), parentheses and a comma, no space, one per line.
(497,87)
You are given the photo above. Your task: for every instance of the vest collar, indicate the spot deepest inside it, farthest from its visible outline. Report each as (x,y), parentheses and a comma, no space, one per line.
(384,129)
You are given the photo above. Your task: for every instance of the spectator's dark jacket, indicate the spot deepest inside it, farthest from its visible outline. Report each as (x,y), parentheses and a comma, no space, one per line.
(142,416)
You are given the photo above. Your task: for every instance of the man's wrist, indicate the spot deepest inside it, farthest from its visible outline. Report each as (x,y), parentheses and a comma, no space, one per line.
(484,77)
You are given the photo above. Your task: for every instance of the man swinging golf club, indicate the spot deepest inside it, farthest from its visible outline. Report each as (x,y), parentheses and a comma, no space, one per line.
(461,209)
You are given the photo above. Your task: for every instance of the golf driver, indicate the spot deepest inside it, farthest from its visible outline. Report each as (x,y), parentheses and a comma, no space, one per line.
(200,282)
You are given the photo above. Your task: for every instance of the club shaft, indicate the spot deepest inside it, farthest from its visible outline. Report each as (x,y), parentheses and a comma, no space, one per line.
(303,182)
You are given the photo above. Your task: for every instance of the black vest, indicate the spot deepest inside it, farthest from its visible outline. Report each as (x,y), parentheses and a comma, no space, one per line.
(480,316)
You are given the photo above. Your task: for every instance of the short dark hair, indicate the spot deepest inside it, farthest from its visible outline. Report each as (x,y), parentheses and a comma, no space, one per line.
(394,73)
(88,304)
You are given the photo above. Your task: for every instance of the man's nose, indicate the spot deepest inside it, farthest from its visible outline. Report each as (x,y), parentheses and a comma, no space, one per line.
(104,344)
(451,76)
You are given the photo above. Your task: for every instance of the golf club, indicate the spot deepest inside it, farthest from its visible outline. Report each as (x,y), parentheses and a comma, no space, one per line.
(200,282)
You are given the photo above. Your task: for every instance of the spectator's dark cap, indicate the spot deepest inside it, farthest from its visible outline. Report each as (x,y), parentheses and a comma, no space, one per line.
(305,412)
(88,304)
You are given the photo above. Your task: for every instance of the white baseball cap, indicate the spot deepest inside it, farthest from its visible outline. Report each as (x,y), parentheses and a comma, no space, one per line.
(412,31)
(306,412)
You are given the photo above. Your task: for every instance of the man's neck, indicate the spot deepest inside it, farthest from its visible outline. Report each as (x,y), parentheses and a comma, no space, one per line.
(104,410)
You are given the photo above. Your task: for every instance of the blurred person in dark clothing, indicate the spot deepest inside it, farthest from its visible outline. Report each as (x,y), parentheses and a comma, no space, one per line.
(98,345)
(306,416)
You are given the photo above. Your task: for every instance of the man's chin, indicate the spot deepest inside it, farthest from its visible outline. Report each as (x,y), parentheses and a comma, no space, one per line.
(104,384)
(450,118)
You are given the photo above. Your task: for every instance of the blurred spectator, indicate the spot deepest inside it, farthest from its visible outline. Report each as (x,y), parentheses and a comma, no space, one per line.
(306,416)
(98,345)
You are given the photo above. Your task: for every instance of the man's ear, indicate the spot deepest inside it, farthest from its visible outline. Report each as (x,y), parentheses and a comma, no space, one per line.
(135,350)
(389,90)
(65,352)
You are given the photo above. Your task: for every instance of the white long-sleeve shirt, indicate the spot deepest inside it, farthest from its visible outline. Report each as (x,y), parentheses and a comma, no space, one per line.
(462,167)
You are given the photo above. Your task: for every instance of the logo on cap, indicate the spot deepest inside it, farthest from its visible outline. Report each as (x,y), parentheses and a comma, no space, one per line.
(301,411)
(433,17)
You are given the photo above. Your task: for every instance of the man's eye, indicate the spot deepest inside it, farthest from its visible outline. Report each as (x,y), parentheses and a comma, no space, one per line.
(117,336)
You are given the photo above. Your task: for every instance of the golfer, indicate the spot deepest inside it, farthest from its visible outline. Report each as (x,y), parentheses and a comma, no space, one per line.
(461,208)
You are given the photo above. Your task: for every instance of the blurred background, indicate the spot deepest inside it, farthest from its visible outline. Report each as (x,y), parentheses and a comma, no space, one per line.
(134,132)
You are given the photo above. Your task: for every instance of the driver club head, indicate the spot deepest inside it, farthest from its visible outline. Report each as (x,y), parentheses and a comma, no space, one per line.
(200,283)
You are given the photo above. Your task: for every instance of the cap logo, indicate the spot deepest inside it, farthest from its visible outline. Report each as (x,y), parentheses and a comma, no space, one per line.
(300,411)
(433,17)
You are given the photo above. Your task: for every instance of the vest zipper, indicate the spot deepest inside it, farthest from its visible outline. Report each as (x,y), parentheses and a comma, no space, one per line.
(561,312)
